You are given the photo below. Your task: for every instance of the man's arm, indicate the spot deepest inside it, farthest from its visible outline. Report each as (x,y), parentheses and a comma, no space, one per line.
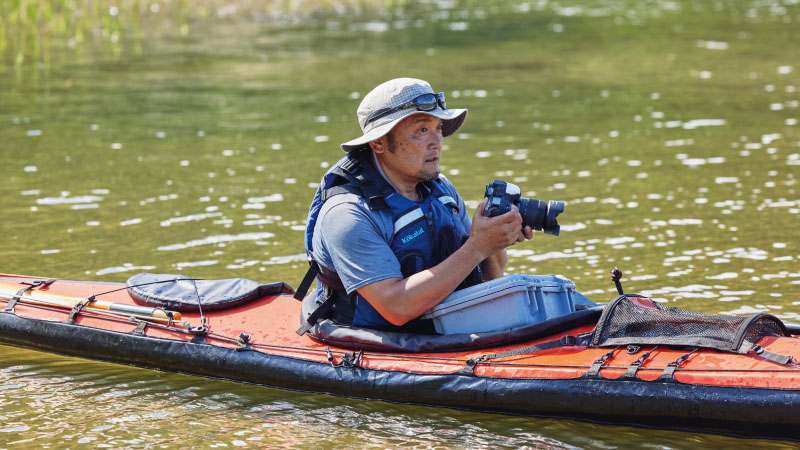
(495,265)
(400,300)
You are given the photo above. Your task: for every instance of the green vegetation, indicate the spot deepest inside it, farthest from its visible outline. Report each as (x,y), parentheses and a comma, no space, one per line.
(30,24)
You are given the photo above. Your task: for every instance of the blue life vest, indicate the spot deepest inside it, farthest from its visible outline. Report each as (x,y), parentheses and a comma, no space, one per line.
(425,234)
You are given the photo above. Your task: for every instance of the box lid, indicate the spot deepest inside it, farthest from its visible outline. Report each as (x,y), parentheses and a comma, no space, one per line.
(453,304)
(505,285)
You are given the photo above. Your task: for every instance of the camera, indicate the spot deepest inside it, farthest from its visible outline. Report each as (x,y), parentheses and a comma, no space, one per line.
(537,214)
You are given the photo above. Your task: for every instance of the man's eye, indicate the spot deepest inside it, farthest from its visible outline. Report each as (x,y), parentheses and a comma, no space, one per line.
(423,129)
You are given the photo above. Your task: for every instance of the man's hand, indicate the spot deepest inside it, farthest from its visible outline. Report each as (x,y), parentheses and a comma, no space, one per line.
(525,234)
(492,234)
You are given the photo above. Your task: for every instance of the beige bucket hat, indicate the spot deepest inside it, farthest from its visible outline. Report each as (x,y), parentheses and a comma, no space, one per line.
(393,101)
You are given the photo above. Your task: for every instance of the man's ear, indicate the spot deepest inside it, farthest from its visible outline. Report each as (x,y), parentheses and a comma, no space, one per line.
(378,145)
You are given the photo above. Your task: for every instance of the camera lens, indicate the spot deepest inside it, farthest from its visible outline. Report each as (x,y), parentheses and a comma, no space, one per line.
(541,216)
(554,208)
(529,210)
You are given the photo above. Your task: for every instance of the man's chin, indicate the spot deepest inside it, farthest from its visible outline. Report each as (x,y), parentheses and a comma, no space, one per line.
(428,175)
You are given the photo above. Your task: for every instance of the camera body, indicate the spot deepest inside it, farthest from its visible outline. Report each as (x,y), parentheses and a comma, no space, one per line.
(537,214)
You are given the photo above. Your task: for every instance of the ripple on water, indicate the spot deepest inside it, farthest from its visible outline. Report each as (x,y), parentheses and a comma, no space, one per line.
(559,255)
(68,200)
(678,142)
(689,291)
(573,227)
(746,310)
(218,239)
(183,265)
(643,277)
(723,276)
(124,268)
(619,240)
(285,259)
(189,218)
(240,264)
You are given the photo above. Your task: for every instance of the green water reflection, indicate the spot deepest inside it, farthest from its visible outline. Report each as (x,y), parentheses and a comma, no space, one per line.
(194,146)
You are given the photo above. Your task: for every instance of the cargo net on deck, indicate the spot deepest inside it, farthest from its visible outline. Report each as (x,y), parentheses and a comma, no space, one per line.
(633,320)
(637,320)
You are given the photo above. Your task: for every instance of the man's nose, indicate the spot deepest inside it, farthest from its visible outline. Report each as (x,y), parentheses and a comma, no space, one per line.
(436,141)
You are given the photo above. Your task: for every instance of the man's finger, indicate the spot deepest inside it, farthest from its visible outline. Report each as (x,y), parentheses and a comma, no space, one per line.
(482,206)
(511,215)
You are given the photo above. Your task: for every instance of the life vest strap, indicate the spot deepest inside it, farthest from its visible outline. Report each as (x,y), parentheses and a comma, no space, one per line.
(318,313)
(311,273)
(357,176)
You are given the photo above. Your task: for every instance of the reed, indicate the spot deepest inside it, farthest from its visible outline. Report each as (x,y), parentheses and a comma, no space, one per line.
(27,26)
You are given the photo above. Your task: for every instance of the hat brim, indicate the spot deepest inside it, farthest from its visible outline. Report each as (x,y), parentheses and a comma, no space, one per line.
(452,119)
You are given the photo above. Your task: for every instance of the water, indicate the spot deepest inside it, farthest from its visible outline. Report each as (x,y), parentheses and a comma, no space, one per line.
(56,402)
(193,146)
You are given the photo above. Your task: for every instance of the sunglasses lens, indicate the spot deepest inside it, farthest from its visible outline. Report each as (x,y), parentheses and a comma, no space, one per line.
(426,102)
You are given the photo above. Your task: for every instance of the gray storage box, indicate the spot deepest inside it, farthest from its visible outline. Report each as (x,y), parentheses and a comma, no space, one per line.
(507,302)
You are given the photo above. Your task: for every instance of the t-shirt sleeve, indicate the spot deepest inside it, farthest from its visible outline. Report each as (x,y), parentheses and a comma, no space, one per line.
(355,246)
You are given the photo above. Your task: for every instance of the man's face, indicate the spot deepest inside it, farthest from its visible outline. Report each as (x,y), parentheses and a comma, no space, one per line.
(414,146)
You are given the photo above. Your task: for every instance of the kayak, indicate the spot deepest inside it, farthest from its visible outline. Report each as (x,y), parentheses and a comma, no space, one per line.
(543,372)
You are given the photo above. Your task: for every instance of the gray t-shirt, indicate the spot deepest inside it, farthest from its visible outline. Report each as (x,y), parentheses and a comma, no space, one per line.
(355,241)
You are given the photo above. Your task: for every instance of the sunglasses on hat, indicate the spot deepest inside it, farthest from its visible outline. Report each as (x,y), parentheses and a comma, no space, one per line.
(425,102)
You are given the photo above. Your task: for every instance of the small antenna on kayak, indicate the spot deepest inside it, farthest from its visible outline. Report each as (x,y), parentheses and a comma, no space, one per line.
(616,276)
(203,327)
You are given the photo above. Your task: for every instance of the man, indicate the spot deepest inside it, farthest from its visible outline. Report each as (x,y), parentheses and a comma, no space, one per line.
(391,236)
